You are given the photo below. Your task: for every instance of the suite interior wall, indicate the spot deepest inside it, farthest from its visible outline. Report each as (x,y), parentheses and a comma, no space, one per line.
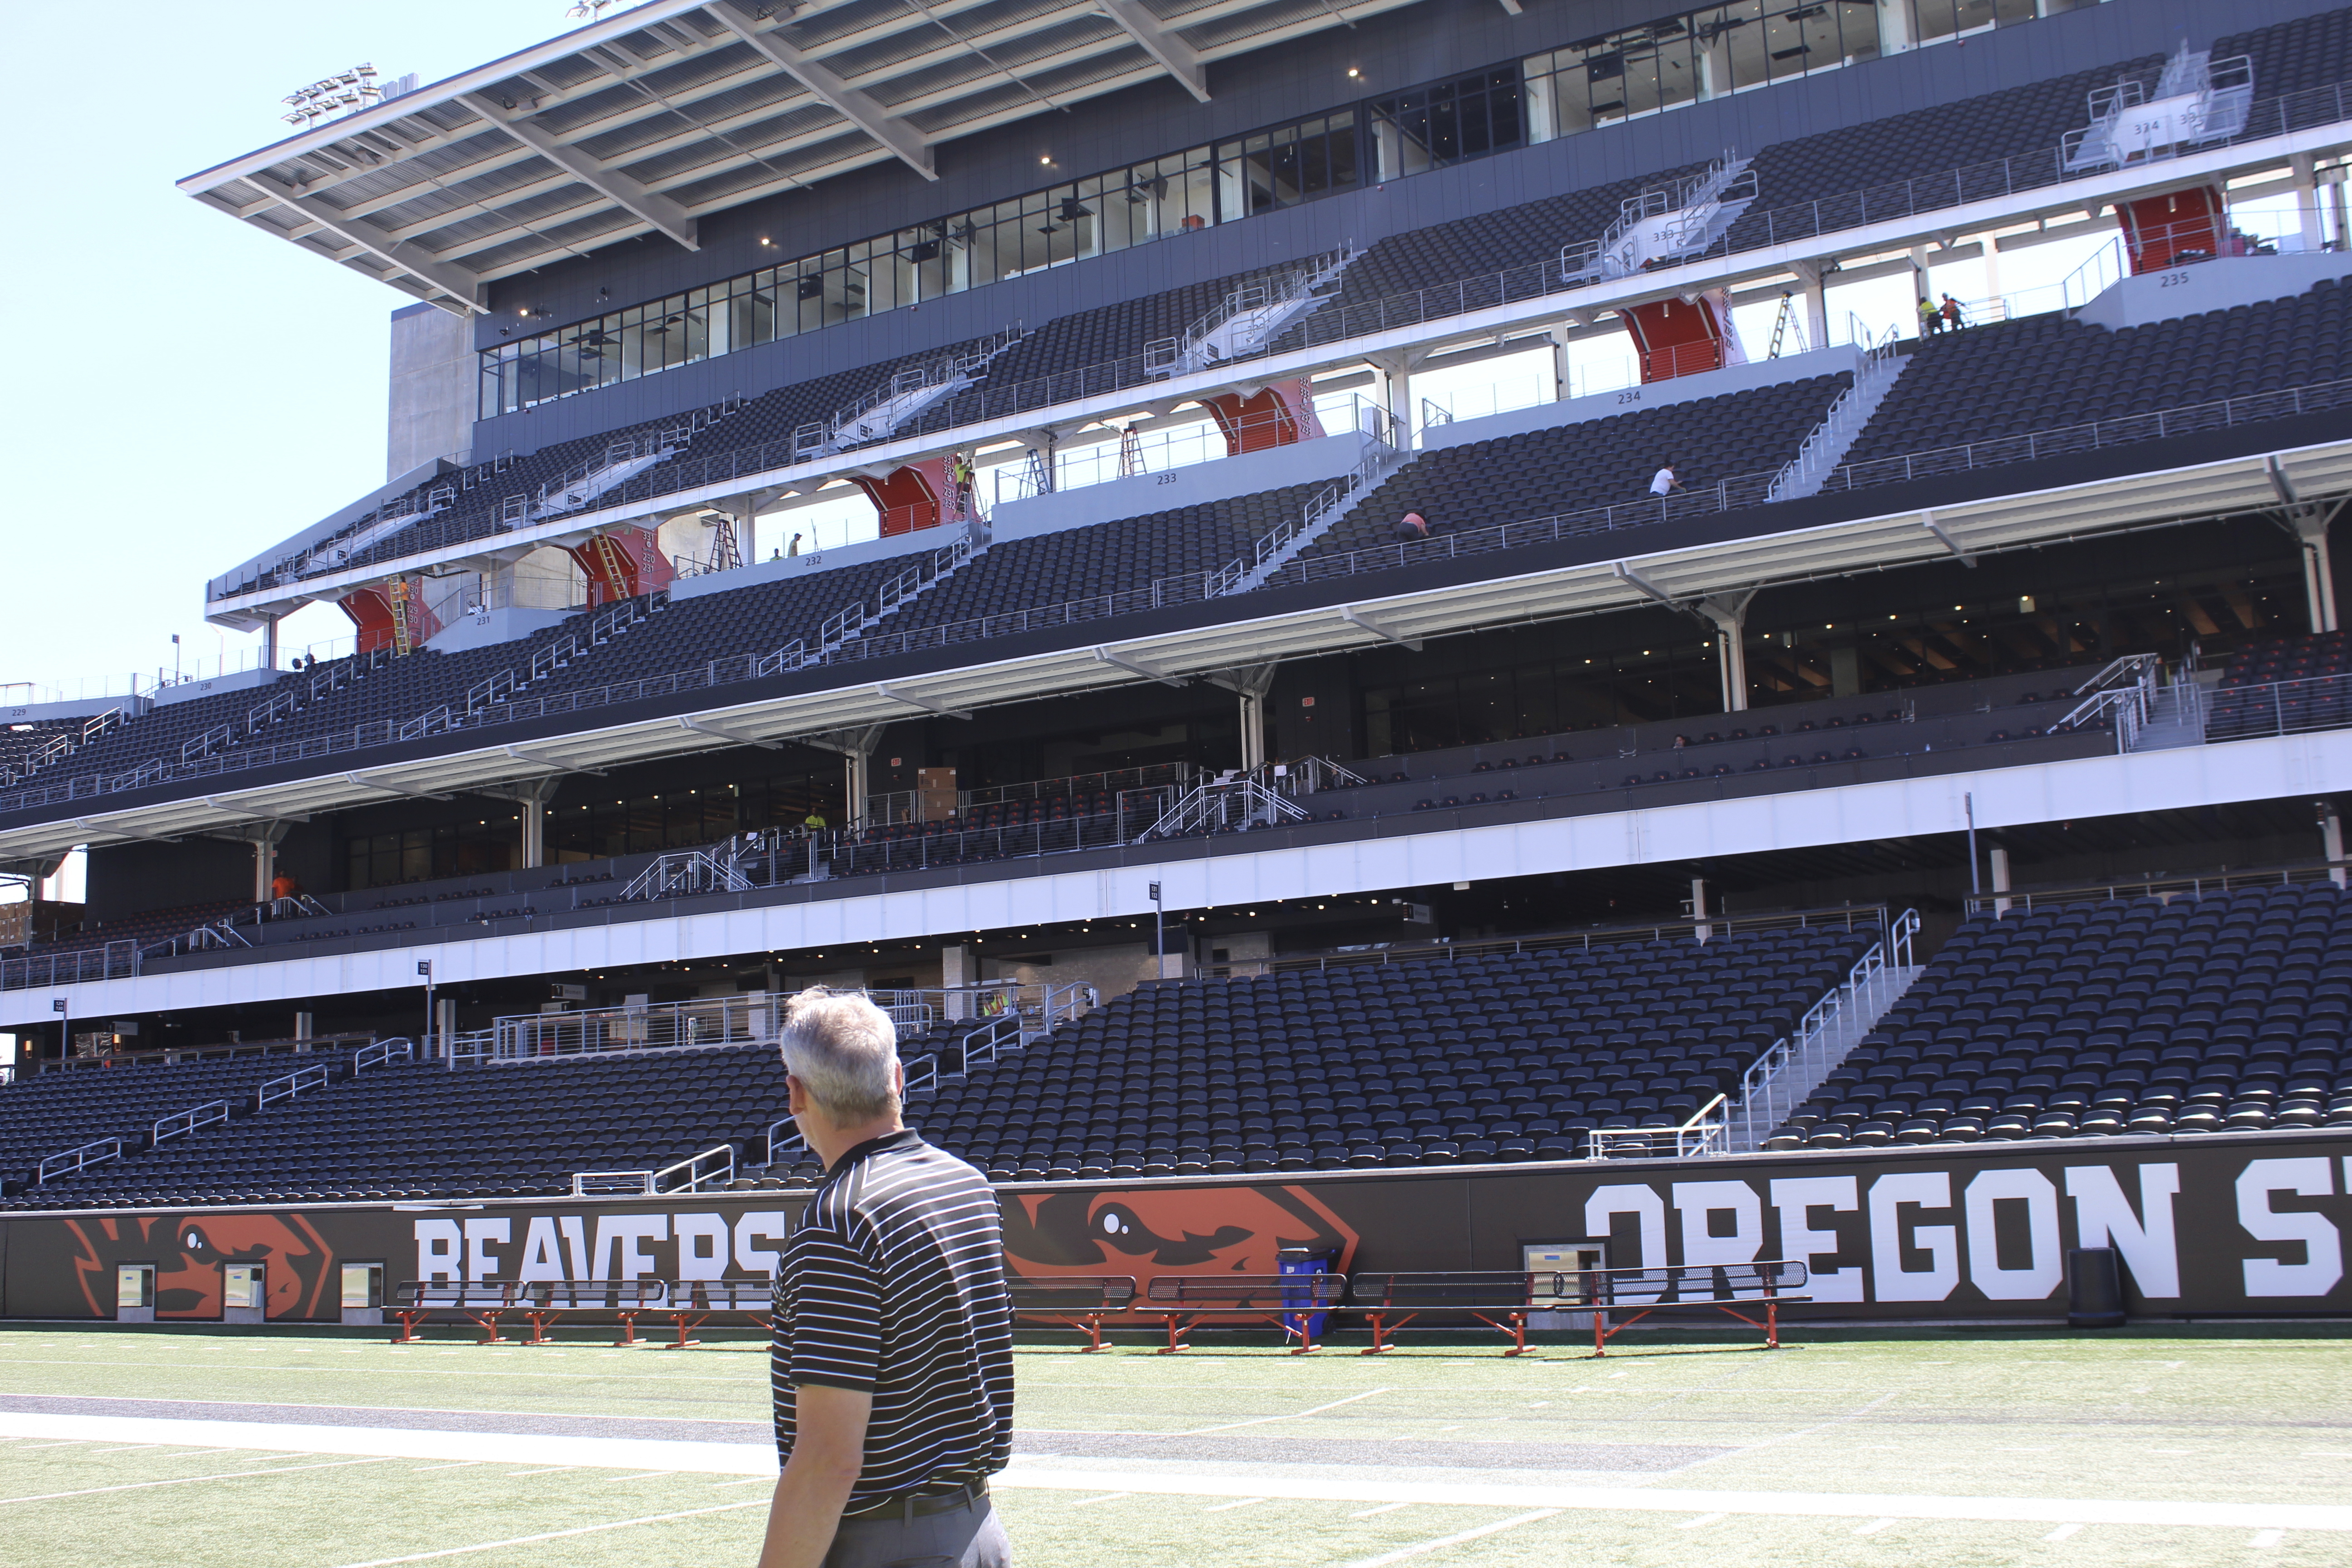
(1399,49)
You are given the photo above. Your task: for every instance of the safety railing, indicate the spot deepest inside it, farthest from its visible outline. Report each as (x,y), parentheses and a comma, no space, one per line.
(882,848)
(1248,316)
(1777,1082)
(902,806)
(73,1160)
(1725,495)
(114,961)
(611,1184)
(383,1053)
(1701,1134)
(180,1124)
(2122,694)
(1224,805)
(1660,223)
(1705,927)
(715,1166)
(1207,441)
(677,874)
(2278,708)
(2164,889)
(300,1081)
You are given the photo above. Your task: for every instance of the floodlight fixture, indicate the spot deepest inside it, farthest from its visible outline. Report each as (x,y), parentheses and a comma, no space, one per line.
(343,93)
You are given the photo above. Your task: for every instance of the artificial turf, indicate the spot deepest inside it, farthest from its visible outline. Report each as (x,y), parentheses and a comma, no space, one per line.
(2259,1417)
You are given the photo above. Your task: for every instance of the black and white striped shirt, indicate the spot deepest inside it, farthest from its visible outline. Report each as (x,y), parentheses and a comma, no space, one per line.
(893,1283)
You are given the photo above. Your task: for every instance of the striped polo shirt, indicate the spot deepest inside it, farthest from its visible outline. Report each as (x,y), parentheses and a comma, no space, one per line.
(893,1283)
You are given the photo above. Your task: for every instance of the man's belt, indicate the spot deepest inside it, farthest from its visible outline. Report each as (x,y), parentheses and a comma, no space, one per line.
(911,1506)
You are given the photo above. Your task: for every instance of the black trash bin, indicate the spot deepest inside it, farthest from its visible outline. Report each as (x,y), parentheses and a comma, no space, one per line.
(2095,1288)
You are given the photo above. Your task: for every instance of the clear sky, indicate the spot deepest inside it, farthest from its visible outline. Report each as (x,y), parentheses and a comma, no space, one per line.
(186,391)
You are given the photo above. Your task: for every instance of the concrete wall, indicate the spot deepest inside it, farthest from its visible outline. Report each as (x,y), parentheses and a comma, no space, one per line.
(1195,484)
(2220,284)
(432,403)
(1420,44)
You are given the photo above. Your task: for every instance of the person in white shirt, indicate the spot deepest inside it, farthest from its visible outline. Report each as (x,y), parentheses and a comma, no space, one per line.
(1664,482)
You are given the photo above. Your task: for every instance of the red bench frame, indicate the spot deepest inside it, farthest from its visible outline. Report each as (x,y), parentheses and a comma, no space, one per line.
(1088,1299)
(1286,1300)
(1724,1286)
(1501,1299)
(483,1302)
(754,1299)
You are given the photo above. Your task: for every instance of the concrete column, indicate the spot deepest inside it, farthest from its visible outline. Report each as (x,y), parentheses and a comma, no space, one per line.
(269,642)
(2318,573)
(1396,370)
(266,838)
(1560,333)
(2331,840)
(1812,286)
(534,834)
(305,1025)
(2306,200)
(2000,880)
(959,966)
(1250,683)
(1698,907)
(1730,616)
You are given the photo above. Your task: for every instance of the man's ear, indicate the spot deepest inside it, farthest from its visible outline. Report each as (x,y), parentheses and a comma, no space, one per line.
(795,1095)
(899,1079)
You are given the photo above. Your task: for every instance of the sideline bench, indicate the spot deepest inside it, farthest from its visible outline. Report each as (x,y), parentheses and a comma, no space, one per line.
(754,1300)
(1724,1286)
(483,1302)
(1499,1298)
(1079,1301)
(1286,1300)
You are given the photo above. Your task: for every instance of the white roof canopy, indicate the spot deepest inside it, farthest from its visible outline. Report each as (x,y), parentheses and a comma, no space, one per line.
(646,120)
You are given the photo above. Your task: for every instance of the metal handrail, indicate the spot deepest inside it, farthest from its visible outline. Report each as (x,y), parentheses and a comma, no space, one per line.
(2164,889)
(301,1081)
(611,1184)
(180,1124)
(383,1053)
(1777,1082)
(74,1161)
(1700,1135)
(696,1175)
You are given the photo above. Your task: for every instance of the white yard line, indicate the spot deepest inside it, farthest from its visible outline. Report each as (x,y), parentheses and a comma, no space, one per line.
(555,1535)
(758,1461)
(184,1481)
(1295,1415)
(1500,1525)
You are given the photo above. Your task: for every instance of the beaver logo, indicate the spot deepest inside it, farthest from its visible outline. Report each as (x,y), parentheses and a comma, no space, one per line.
(188,1251)
(1173,1230)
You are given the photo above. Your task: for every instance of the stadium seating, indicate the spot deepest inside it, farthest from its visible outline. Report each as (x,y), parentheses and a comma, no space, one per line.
(1569,467)
(1496,1056)
(424,1131)
(1055,568)
(60,1109)
(2294,56)
(2042,372)
(1483,1057)
(2227,1012)
(146,927)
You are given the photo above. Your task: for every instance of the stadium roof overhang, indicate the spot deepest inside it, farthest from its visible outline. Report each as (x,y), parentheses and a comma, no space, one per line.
(648,119)
(829,715)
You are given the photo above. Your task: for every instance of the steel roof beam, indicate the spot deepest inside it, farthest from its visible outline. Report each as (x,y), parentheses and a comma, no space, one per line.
(457,282)
(1182,60)
(644,205)
(853,104)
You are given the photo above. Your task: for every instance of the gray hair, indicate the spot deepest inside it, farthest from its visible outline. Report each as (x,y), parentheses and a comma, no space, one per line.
(842,1048)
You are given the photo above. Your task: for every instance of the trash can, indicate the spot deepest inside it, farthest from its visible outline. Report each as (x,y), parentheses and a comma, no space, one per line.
(2095,1289)
(1303,1260)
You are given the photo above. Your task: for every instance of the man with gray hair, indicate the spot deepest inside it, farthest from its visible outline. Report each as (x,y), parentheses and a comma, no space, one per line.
(892,1367)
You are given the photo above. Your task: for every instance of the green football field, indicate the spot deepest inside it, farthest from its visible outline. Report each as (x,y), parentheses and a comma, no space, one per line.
(2136,1446)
